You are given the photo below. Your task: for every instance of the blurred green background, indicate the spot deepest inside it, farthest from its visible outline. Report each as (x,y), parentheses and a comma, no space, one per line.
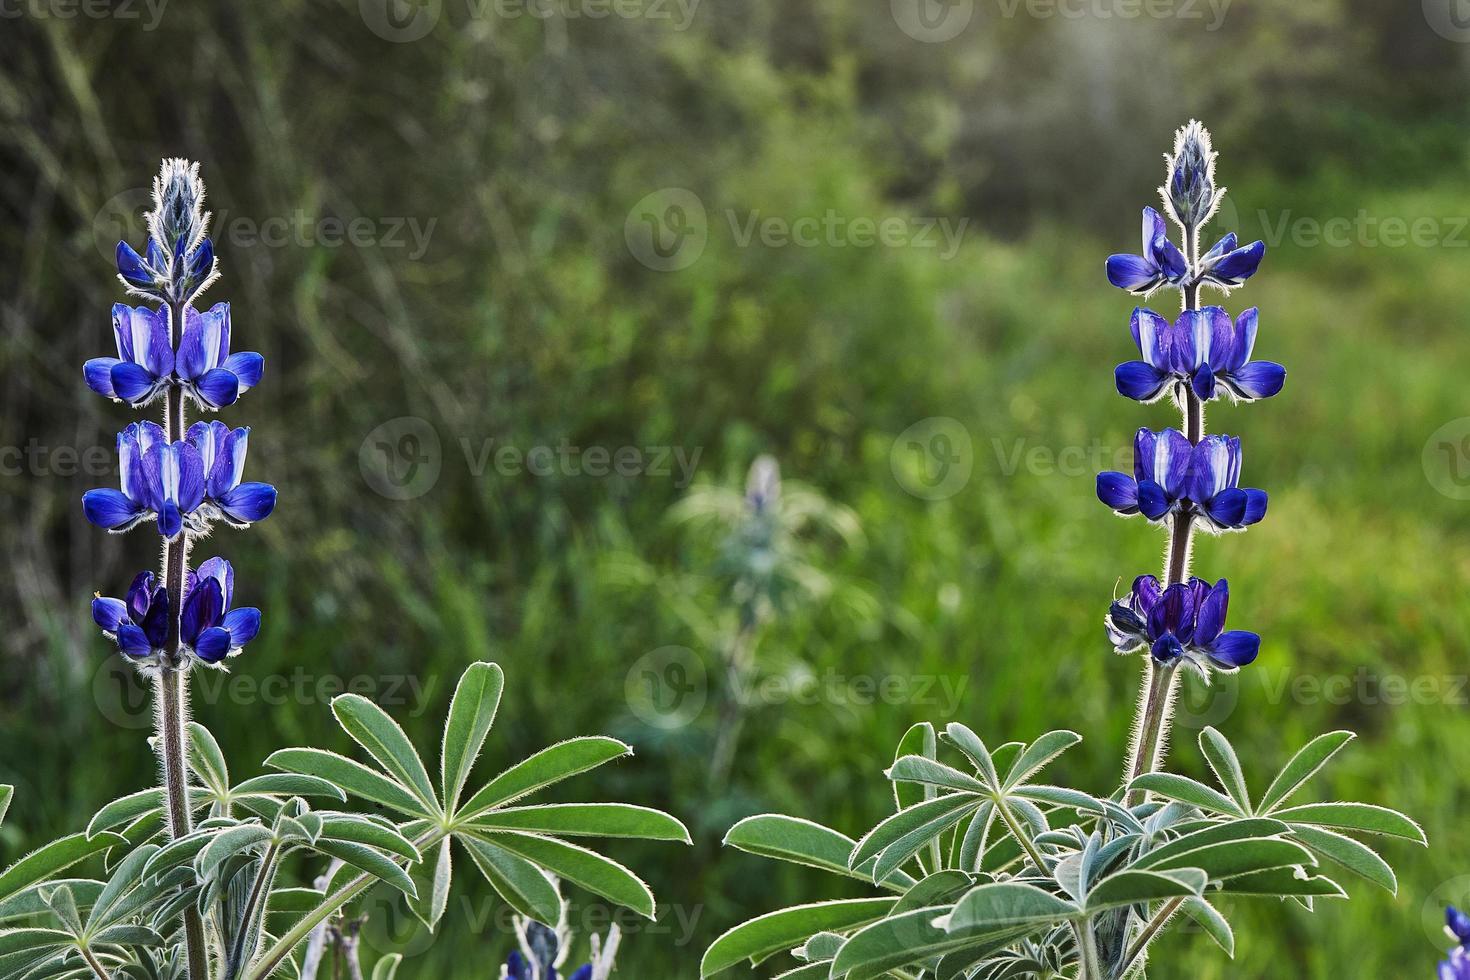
(498,165)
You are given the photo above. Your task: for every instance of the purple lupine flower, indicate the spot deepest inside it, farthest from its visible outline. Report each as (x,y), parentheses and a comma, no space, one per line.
(1161,261)
(1160,467)
(209,628)
(138,623)
(159,479)
(517,967)
(222,454)
(1229,264)
(1213,486)
(1183,623)
(208,372)
(1190,196)
(1202,349)
(144,365)
(1457,967)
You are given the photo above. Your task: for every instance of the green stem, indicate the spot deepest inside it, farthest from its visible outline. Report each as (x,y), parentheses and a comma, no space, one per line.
(255,901)
(1088,965)
(267,963)
(97,968)
(1145,936)
(1021,837)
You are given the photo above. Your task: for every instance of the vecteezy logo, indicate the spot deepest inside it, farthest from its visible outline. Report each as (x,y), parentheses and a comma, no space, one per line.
(1450,19)
(932,459)
(401,458)
(932,21)
(400,21)
(667,688)
(121,220)
(1446,459)
(667,230)
(121,697)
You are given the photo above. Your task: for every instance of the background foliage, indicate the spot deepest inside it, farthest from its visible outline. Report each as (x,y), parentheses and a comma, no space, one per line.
(526,141)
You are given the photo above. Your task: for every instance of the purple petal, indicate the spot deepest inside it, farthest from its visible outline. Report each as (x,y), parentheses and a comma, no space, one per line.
(1238,266)
(1203,383)
(1246,326)
(170,520)
(98,372)
(110,509)
(1145,443)
(1172,454)
(1133,273)
(157,355)
(222,572)
(1212,614)
(195,345)
(202,610)
(1234,648)
(1153,503)
(248,503)
(1170,259)
(1226,508)
(1209,469)
(243,624)
(109,613)
(133,642)
(1119,491)
(247,366)
(1151,334)
(1189,337)
(133,384)
(1258,379)
(218,387)
(131,267)
(1140,381)
(213,645)
(1146,592)
(1255,506)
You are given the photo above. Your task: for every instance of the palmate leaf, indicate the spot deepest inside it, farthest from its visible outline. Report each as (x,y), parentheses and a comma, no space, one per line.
(776,932)
(7,793)
(803,842)
(471,716)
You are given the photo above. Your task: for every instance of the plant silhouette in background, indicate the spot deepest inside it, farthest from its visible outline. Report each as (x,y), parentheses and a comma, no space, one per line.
(194,873)
(766,563)
(985,872)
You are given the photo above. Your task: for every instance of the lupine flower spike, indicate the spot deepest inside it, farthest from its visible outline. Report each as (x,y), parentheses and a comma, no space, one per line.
(544,950)
(1457,925)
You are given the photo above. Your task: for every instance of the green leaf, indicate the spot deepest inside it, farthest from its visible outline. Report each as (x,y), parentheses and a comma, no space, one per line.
(908,845)
(550,765)
(376,731)
(1212,922)
(1280,882)
(46,861)
(1140,887)
(588,869)
(289,784)
(1006,903)
(7,793)
(432,879)
(1060,796)
(387,967)
(28,940)
(1363,817)
(206,759)
(802,842)
(125,809)
(360,830)
(1237,857)
(127,934)
(228,843)
(1350,854)
(775,932)
(524,886)
(974,749)
(1303,766)
(1186,790)
(350,775)
(912,938)
(471,716)
(373,862)
(917,769)
(918,740)
(905,822)
(1038,754)
(587,820)
(27,902)
(1220,754)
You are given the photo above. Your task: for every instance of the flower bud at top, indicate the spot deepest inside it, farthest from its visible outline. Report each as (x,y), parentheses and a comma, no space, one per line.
(763,485)
(178,206)
(1190,196)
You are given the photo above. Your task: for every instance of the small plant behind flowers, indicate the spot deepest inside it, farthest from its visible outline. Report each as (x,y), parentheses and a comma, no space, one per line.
(193,881)
(983,871)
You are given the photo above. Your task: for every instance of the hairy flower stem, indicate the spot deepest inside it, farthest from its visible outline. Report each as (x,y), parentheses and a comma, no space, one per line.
(98,970)
(1151,929)
(1089,967)
(1156,700)
(738,663)
(171,683)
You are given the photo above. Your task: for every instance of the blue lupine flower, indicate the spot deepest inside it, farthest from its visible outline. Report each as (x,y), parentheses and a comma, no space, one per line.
(517,967)
(1228,264)
(1457,967)
(138,622)
(221,452)
(159,479)
(1457,924)
(209,628)
(1213,486)
(208,372)
(1202,349)
(1160,262)
(1190,195)
(144,365)
(1160,468)
(1184,623)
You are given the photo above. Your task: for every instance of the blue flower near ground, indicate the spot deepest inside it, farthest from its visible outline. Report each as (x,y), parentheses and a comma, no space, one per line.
(1203,350)
(139,621)
(1183,623)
